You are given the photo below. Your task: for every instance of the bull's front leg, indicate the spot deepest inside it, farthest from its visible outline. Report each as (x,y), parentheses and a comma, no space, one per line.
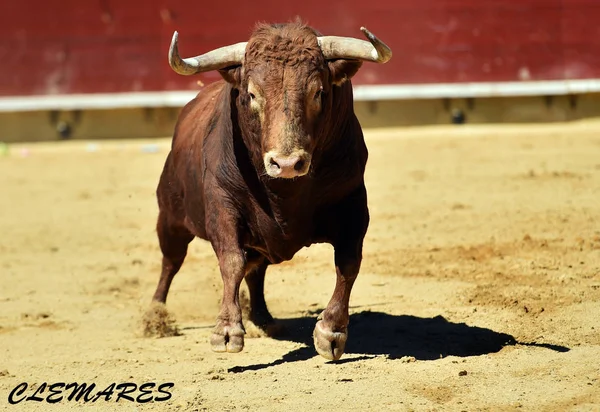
(228,334)
(331,331)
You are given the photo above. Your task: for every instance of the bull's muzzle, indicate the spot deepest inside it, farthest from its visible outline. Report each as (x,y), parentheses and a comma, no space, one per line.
(289,166)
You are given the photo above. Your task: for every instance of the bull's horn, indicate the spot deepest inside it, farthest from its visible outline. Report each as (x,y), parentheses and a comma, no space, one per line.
(334,47)
(213,60)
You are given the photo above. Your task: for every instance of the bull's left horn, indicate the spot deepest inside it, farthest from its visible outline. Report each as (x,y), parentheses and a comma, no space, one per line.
(335,47)
(220,58)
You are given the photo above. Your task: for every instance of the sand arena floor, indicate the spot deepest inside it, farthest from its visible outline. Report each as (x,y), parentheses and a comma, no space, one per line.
(480,286)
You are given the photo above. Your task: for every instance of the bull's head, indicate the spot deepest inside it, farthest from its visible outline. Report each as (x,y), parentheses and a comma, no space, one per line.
(285,75)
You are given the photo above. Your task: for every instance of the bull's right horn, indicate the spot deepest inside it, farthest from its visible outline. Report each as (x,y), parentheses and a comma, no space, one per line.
(220,58)
(335,47)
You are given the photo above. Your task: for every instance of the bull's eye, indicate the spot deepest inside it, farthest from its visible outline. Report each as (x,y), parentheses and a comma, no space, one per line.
(319,93)
(252,96)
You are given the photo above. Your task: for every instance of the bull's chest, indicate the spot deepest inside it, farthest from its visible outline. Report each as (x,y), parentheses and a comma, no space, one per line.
(280,239)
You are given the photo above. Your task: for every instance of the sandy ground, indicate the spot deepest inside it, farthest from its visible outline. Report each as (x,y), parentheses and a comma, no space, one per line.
(480,287)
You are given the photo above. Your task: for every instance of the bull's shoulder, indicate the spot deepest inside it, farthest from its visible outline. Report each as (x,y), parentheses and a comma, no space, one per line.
(195,124)
(195,117)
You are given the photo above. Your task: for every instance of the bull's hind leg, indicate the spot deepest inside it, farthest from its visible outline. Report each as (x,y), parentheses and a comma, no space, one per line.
(255,280)
(174,240)
(259,313)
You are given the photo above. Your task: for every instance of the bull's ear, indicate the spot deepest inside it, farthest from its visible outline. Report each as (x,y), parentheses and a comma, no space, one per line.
(342,70)
(232,75)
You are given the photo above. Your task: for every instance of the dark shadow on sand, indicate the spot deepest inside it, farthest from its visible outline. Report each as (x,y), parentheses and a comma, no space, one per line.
(375,333)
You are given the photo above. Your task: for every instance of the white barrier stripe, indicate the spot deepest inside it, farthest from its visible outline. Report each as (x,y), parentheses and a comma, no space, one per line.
(476,90)
(95,101)
(361,93)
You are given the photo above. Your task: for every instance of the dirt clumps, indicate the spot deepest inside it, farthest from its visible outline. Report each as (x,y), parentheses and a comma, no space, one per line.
(157,322)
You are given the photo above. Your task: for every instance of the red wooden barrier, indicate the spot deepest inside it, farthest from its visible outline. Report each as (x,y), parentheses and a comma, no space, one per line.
(69,46)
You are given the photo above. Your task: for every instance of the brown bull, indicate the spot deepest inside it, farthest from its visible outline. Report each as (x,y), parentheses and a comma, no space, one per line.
(266,162)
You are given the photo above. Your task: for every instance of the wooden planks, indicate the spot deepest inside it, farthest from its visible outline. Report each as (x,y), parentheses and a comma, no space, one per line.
(108,46)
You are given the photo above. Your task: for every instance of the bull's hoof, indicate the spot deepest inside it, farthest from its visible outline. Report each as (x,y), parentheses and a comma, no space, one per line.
(227,338)
(329,344)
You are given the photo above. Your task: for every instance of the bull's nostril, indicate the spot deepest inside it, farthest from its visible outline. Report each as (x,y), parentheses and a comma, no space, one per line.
(272,162)
(299,165)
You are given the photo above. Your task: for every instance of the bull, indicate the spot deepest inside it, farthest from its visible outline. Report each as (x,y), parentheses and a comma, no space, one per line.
(266,161)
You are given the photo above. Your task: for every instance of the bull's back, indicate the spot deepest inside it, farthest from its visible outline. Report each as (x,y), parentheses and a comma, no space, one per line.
(180,191)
